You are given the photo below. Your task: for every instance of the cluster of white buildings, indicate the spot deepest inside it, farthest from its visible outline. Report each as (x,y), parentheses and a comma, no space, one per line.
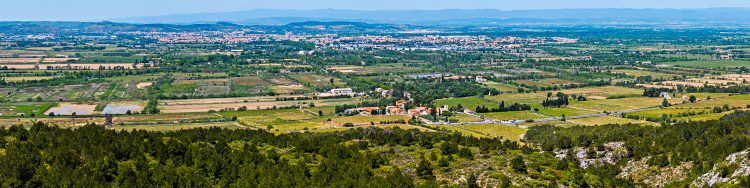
(334,41)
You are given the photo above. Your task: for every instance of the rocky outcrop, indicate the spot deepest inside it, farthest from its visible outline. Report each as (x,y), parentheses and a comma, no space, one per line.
(734,166)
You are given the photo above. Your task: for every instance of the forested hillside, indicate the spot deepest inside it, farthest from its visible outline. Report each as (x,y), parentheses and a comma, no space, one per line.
(92,156)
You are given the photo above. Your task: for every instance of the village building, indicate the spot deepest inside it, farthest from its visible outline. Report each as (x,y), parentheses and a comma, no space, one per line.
(664,95)
(341,91)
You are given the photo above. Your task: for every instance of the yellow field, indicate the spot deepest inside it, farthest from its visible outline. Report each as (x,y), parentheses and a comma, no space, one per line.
(465,118)
(19,60)
(20,79)
(553,123)
(299,126)
(732,101)
(613,105)
(603,120)
(600,92)
(512,115)
(704,117)
(558,81)
(58,60)
(253,103)
(521,98)
(638,73)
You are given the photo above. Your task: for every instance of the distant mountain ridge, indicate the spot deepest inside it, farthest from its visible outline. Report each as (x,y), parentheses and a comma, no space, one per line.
(452,16)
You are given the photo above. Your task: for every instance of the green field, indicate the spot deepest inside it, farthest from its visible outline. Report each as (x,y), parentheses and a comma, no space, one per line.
(276,118)
(729,63)
(139,78)
(520,98)
(600,92)
(702,96)
(603,120)
(531,83)
(464,118)
(500,86)
(732,101)
(703,117)
(614,105)
(110,59)
(558,81)
(470,103)
(639,73)
(524,115)
(688,56)
(567,111)
(675,113)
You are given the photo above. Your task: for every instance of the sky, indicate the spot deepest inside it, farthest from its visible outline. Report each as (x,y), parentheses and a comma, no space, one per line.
(85,10)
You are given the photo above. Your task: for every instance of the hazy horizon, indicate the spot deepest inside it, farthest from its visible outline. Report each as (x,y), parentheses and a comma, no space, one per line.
(86,10)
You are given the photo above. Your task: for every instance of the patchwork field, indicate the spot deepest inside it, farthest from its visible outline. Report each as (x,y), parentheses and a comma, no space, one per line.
(470,103)
(703,96)
(556,81)
(58,60)
(286,119)
(711,63)
(639,73)
(520,98)
(290,89)
(600,92)
(553,123)
(732,101)
(464,118)
(531,83)
(163,117)
(311,79)
(25,108)
(21,79)
(248,81)
(703,117)
(567,111)
(500,86)
(139,78)
(204,82)
(277,80)
(19,60)
(327,110)
(17,66)
(613,105)
(603,120)
(520,115)
(724,80)
(674,113)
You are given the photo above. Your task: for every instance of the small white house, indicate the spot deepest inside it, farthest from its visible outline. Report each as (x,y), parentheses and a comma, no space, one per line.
(664,95)
(342,91)
(480,79)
